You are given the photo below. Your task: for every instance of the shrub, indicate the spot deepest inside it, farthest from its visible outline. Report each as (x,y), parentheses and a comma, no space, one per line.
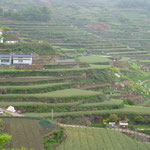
(129,102)
(138,119)
(4,140)
(51,140)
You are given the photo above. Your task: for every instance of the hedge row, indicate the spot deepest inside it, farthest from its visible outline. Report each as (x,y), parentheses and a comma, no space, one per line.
(56,73)
(65,107)
(47,99)
(42,107)
(67,65)
(123,112)
(46,81)
(100,106)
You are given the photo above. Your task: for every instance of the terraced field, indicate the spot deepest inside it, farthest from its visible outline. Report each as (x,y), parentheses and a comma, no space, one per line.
(117,42)
(25,132)
(107,29)
(99,139)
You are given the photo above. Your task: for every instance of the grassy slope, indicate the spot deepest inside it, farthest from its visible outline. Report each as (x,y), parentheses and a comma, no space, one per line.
(94,139)
(93,59)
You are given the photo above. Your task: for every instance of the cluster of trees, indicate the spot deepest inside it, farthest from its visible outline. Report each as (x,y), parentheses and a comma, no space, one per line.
(139,89)
(35,13)
(115,118)
(43,48)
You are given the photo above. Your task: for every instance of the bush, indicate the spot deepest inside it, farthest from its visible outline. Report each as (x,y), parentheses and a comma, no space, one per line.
(4,140)
(138,119)
(51,140)
(129,102)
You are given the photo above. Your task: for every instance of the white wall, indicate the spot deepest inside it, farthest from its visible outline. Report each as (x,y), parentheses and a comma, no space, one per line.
(24,61)
(5,63)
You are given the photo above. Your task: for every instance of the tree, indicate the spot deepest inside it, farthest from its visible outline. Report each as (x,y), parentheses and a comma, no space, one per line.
(4,139)
(114,118)
(35,13)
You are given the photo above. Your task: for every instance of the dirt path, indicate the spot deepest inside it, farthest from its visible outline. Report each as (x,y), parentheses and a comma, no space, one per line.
(116,129)
(13,114)
(131,132)
(73,126)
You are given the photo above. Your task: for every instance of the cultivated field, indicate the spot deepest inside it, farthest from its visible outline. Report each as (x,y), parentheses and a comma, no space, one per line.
(99,139)
(25,133)
(94,59)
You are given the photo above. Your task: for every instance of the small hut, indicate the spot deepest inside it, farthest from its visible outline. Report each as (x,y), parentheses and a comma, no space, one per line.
(123,124)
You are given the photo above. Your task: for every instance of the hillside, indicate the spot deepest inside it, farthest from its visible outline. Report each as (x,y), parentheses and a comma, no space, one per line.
(106,26)
(90,68)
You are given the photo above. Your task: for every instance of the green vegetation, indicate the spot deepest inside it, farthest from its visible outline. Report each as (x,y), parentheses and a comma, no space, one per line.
(115,34)
(130,111)
(4,140)
(31,14)
(129,102)
(88,138)
(29,89)
(53,139)
(94,59)
(67,95)
(29,47)
(30,129)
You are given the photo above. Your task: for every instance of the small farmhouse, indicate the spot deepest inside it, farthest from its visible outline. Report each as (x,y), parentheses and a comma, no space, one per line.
(22,59)
(5,59)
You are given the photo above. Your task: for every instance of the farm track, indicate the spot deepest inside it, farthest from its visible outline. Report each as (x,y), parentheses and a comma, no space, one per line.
(115,129)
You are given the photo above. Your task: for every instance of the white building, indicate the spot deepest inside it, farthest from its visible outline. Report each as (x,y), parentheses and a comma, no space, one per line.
(11,109)
(5,59)
(22,59)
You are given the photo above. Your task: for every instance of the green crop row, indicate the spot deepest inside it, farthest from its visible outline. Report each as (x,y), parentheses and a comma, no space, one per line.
(113,104)
(70,95)
(63,107)
(31,89)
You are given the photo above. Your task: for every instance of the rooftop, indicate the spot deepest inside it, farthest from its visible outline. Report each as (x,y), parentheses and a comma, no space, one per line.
(5,55)
(23,55)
